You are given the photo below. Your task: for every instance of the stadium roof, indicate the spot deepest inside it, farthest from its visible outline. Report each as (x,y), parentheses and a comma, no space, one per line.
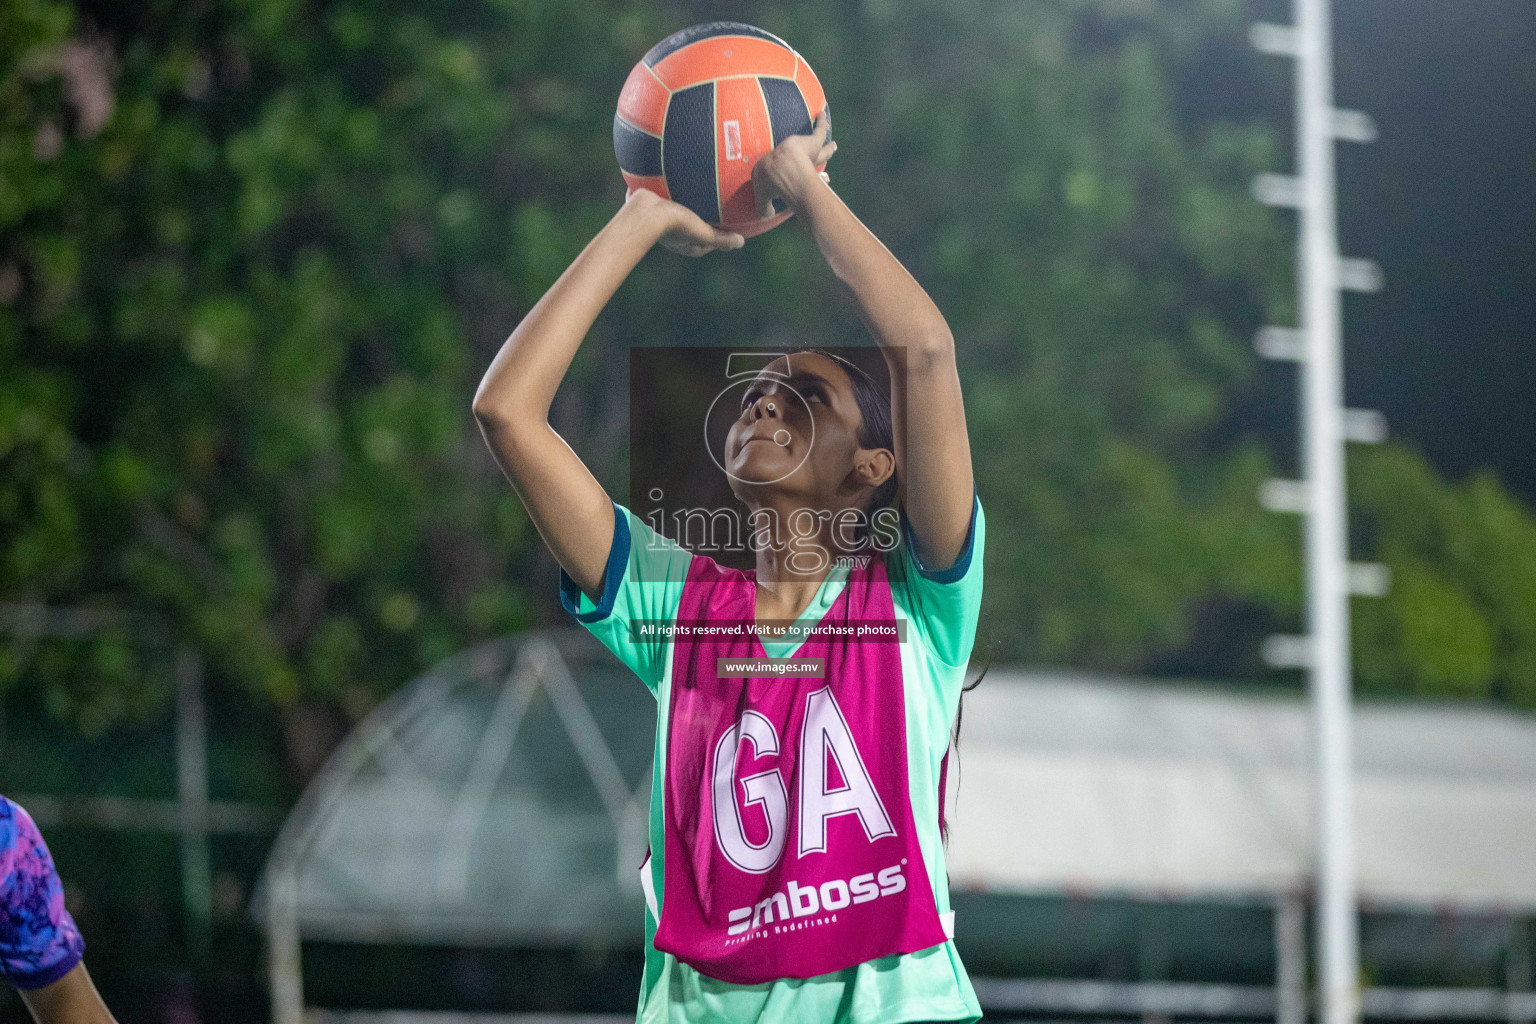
(1095,785)
(502,798)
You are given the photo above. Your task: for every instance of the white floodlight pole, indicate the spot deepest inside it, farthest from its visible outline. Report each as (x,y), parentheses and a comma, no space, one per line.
(1327,552)
(1326,425)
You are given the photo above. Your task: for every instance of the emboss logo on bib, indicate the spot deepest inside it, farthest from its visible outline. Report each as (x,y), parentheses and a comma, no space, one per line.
(804,901)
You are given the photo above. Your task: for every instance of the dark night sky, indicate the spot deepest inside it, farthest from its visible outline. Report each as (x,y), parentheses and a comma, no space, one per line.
(1445,200)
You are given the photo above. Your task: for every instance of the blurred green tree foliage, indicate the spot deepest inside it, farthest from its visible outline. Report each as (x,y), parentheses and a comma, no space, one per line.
(1458,622)
(255,253)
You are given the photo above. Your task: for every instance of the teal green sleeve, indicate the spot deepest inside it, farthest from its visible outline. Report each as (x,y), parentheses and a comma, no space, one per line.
(944,602)
(643,580)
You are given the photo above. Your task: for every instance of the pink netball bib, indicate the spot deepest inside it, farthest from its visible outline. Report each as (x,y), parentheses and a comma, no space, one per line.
(790,845)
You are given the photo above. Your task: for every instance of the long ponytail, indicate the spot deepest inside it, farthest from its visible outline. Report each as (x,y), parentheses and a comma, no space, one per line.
(954,740)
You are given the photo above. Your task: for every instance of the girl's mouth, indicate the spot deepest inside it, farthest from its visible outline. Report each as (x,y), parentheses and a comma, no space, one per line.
(780,439)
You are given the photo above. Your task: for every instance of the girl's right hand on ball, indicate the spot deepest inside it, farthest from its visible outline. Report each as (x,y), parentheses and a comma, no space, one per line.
(683,231)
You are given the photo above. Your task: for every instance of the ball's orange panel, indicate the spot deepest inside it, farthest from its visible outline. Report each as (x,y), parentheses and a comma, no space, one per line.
(810,88)
(742,134)
(719,56)
(656,184)
(757,227)
(643,102)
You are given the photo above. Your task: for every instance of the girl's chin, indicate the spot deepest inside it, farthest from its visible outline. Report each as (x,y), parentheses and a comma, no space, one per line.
(764,466)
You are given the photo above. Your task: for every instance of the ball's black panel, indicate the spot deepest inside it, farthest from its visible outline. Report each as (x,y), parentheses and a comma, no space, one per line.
(638,152)
(688,151)
(787,112)
(692,34)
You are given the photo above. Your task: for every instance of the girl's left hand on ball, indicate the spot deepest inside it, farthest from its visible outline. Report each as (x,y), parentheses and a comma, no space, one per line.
(791,167)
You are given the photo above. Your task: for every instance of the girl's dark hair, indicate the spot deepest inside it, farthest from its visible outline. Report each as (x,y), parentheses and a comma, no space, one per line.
(874,432)
(954,740)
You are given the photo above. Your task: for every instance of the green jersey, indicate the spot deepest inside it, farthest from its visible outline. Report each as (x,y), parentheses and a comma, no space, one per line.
(644,580)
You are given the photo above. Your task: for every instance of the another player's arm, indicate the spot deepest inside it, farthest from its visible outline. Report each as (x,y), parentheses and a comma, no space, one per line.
(569,507)
(70,1000)
(933,451)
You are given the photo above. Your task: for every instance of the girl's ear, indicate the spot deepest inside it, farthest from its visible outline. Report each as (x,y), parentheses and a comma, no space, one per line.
(874,466)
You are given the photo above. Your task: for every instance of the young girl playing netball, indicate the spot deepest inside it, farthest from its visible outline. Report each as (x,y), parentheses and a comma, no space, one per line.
(797,869)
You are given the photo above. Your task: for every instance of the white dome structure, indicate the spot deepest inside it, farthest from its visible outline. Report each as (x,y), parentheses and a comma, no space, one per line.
(501,798)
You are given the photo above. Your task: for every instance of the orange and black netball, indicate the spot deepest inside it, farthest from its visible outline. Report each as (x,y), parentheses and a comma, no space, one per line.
(699,110)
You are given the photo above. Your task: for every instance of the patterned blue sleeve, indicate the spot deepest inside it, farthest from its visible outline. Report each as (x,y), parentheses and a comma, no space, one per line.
(39,942)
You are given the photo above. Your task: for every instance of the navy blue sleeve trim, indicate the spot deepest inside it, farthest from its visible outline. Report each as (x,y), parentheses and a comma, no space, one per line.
(613,574)
(46,977)
(957,571)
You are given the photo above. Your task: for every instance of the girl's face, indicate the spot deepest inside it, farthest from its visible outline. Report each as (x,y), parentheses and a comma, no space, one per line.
(798,432)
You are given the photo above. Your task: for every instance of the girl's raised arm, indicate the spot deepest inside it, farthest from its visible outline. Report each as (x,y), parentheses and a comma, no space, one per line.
(933,452)
(569,507)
